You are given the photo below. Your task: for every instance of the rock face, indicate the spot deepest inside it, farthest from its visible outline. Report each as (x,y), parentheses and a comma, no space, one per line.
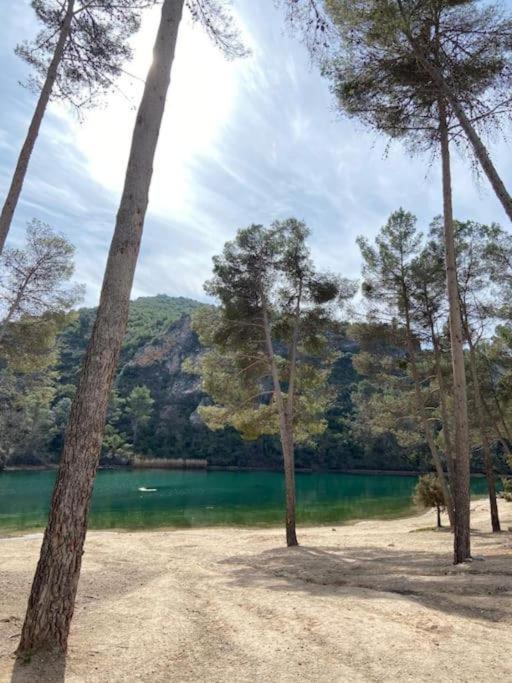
(158,342)
(159,366)
(176,428)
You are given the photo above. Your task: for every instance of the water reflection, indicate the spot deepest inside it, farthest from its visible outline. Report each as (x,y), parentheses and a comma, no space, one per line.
(153,498)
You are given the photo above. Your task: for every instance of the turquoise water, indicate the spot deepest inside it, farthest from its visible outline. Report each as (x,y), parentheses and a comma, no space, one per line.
(189,499)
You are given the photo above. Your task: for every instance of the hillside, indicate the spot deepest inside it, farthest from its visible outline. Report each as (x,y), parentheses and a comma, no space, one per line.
(149,318)
(158,341)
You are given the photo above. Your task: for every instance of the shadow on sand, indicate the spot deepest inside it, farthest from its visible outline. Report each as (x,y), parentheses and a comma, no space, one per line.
(428,578)
(42,667)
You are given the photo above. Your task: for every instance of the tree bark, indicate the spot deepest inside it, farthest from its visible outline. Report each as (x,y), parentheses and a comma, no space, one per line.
(429,436)
(461,491)
(444,408)
(420,407)
(484,435)
(52,598)
(286,434)
(20,171)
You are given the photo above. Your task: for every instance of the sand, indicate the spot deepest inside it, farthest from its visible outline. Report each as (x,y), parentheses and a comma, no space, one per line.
(371,601)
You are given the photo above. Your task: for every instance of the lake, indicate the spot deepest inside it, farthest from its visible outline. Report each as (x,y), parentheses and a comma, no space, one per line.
(143,499)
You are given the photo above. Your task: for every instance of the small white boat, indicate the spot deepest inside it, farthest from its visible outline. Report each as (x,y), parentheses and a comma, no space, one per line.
(145,490)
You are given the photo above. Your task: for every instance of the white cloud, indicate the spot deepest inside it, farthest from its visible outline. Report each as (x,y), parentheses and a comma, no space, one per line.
(201,95)
(248,141)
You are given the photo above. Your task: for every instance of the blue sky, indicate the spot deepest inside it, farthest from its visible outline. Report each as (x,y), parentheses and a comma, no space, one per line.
(243,142)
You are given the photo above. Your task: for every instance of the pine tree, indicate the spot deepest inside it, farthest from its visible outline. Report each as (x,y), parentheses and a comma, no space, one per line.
(388,284)
(33,279)
(377,79)
(139,406)
(52,598)
(76,57)
(429,494)
(275,309)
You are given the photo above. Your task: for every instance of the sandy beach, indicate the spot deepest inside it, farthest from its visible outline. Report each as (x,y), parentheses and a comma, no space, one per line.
(371,601)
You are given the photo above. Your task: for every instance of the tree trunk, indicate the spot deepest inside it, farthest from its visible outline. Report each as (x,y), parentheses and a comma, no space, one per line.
(432,445)
(444,409)
(286,434)
(438,510)
(484,435)
(461,492)
(289,474)
(491,483)
(20,171)
(420,407)
(482,155)
(52,598)
(478,147)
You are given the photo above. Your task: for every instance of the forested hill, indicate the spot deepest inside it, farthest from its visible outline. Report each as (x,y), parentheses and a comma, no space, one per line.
(153,411)
(149,320)
(158,341)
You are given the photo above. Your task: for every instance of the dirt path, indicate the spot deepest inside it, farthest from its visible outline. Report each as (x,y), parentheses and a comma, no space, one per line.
(375,601)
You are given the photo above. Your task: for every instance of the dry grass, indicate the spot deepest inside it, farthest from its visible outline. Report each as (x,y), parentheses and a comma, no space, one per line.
(366,602)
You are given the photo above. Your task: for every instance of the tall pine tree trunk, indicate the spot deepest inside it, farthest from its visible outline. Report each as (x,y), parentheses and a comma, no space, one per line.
(442,403)
(491,482)
(20,171)
(420,407)
(482,155)
(286,435)
(484,435)
(461,491)
(434,452)
(289,474)
(479,148)
(52,598)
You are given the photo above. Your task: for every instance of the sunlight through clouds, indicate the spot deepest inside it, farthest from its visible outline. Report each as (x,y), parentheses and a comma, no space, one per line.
(203,88)
(248,141)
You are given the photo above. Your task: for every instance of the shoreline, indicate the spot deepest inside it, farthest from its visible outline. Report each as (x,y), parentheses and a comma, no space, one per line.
(234,468)
(369,601)
(406,514)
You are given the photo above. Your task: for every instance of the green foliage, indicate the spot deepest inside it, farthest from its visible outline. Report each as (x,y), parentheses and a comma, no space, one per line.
(376,74)
(94,54)
(149,319)
(242,401)
(139,406)
(33,280)
(29,344)
(27,421)
(116,450)
(165,365)
(396,393)
(274,314)
(35,299)
(507,488)
(428,492)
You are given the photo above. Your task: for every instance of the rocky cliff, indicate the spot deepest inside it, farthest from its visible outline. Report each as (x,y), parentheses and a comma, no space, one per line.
(158,341)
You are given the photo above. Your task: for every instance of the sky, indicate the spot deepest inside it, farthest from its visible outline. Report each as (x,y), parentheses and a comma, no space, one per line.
(247,141)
